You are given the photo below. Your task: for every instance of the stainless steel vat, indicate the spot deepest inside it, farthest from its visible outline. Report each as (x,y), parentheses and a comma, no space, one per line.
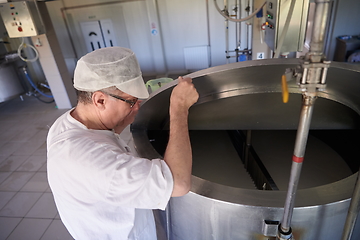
(247,96)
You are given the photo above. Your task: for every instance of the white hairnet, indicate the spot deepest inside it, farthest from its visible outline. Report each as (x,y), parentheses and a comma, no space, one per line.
(107,67)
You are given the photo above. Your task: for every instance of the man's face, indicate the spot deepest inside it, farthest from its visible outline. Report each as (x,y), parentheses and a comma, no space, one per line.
(121,109)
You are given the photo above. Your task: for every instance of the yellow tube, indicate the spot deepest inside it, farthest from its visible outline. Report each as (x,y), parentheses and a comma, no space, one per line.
(285,91)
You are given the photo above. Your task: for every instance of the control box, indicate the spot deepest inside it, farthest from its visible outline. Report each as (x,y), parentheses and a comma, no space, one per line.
(276,15)
(21,19)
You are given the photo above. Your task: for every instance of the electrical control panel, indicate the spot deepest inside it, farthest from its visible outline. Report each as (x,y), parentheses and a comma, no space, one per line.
(21,19)
(276,17)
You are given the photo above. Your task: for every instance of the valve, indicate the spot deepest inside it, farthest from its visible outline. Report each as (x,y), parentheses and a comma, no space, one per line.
(312,75)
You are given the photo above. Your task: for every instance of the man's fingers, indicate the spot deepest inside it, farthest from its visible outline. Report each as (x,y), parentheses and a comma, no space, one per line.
(181,79)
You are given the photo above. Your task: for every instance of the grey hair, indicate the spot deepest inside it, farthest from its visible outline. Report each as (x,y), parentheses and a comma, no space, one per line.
(86,97)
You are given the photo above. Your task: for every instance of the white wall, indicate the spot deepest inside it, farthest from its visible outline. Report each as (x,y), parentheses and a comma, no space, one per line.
(130,23)
(62,34)
(217,35)
(180,24)
(138,31)
(183,24)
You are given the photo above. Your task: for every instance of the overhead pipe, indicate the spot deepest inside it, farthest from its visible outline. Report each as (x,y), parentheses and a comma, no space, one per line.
(240,19)
(248,35)
(225,14)
(319,27)
(313,79)
(226,32)
(237,30)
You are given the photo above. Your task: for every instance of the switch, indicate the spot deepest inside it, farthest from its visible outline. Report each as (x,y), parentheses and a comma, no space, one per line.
(38,43)
(20,29)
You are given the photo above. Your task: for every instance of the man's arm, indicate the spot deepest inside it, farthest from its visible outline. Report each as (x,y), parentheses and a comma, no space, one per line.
(178,154)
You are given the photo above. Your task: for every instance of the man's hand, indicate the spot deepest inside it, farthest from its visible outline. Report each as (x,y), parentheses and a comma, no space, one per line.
(178,154)
(184,95)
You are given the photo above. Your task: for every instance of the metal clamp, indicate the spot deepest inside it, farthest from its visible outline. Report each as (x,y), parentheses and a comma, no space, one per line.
(284,235)
(311,76)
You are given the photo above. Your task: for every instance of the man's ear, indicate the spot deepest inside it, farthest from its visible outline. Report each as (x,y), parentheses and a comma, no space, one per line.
(99,99)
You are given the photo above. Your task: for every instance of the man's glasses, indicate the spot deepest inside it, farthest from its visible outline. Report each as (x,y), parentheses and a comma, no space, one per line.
(132,103)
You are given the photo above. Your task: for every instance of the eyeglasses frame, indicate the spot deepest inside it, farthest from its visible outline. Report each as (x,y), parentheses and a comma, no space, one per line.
(132,103)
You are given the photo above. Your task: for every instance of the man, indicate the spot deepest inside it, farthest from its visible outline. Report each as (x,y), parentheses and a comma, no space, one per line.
(101,190)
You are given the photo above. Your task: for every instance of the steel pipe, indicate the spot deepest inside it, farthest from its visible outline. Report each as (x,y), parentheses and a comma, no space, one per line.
(319,27)
(314,76)
(297,160)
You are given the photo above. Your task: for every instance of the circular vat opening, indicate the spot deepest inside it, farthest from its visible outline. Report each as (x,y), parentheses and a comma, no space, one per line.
(247,141)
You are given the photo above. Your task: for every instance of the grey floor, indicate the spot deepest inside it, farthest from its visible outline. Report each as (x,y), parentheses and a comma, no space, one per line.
(27,208)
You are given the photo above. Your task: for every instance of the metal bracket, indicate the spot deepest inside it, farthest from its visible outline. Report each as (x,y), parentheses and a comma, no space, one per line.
(270,228)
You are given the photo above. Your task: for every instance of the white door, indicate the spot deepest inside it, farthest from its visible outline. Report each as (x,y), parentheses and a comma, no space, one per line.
(108,32)
(92,35)
(98,34)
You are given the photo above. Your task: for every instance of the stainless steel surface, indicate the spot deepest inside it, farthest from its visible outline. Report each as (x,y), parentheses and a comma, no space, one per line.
(353,212)
(247,95)
(253,89)
(275,148)
(248,144)
(216,160)
(295,36)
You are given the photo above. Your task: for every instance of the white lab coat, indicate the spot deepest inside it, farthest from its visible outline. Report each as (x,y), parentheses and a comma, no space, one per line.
(100,189)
